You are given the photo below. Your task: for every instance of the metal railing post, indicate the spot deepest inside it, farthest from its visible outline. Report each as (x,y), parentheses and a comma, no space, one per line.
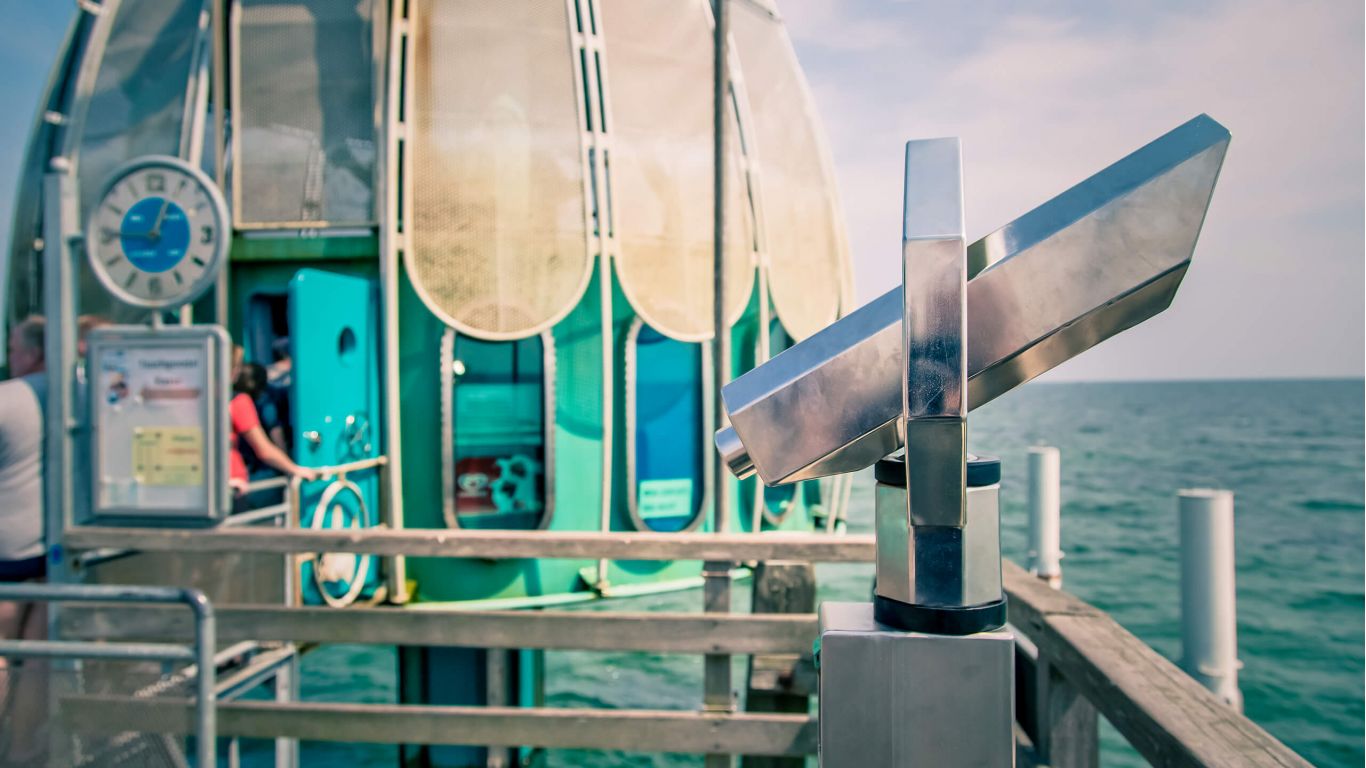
(1209,618)
(206,711)
(1045,515)
(202,655)
(286,684)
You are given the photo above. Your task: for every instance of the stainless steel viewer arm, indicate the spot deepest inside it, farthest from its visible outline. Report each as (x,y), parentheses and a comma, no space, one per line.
(934,382)
(1098,259)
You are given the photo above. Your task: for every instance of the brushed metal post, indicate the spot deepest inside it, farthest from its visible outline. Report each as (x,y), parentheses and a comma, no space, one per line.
(933,385)
(933,330)
(717,695)
(60,254)
(721,334)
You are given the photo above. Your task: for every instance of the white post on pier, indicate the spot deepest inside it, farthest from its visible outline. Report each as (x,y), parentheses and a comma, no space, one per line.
(1045,515)
(1209,619)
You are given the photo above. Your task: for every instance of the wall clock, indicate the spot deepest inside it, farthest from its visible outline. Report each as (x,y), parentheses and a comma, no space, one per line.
(159,234)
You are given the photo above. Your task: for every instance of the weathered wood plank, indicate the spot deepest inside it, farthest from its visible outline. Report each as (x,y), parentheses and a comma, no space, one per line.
(595,630)
(1069,736)
(557,728)
(781,587)
(1168,717)
(790,674)
(819,548)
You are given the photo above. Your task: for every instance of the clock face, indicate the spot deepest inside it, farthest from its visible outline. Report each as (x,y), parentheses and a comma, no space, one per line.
(159,233)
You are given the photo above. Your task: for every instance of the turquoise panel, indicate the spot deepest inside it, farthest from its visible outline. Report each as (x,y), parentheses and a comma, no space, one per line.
(668,423)
(335,395)
(626,574)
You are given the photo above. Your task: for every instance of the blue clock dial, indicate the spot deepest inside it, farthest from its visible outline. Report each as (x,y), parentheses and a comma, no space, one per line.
(155,234)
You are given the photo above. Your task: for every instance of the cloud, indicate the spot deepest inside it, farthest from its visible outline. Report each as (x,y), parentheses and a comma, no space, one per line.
(1044,98)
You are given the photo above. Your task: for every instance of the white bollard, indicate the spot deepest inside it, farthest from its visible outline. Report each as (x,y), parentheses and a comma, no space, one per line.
(1209,618)
(1045,515)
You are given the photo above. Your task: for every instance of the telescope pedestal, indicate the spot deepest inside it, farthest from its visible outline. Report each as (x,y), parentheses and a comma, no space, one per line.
(889,697)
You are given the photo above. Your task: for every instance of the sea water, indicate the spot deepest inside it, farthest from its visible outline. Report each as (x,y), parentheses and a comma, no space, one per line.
(1292,453)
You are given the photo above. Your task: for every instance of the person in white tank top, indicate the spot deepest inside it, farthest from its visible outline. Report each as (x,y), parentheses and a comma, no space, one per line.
(22,556)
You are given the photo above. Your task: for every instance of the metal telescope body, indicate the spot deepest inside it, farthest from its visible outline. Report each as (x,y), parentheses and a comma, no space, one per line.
(1098,259)
(925,672)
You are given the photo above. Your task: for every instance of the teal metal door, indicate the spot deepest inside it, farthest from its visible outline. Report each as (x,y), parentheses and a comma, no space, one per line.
(333,322)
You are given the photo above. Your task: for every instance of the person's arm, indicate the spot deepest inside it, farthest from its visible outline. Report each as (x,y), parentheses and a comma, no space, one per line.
(271,454)
(277,435)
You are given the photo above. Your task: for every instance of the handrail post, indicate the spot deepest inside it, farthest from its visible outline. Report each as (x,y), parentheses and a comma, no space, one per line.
(1045,518)
(1209,617)
(206,709)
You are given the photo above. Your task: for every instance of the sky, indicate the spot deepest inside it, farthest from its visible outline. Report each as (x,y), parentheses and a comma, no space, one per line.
(1044,94)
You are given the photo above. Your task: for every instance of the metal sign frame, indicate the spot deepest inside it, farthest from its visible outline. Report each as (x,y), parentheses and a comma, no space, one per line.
(209,345)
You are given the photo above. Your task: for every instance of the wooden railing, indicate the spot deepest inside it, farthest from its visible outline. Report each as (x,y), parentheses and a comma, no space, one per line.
(1087,661)
(577,545)
(1075,662)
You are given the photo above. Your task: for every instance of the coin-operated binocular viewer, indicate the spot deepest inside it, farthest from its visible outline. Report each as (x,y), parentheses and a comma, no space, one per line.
(924,675)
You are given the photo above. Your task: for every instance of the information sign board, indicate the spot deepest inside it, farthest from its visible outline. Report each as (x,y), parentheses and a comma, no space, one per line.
(158,412)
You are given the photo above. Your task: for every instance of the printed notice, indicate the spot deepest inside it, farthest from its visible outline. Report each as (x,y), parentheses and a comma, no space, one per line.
(157,422)
(168,455)
(665,498)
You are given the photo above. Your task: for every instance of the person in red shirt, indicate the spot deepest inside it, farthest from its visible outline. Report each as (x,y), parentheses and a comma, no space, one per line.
(247,386)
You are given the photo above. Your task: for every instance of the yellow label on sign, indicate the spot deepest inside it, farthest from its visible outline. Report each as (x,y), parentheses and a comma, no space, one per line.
(168,455)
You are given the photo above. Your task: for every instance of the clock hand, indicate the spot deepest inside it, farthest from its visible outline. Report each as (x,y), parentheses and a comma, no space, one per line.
(155,232)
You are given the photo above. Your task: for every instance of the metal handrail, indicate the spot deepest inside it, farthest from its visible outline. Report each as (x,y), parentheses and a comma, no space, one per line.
(268,483)
(257,515)
(336,471)
(205,632)
(293,482)
(340,470)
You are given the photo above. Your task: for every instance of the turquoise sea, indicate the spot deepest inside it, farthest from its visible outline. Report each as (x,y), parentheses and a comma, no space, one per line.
(1292,451)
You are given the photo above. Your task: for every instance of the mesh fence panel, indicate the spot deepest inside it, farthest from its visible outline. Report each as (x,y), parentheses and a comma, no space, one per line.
(802,236)
(498,240)
(138,102)
(25,687)
(136,108)
(307,111)
(659,58)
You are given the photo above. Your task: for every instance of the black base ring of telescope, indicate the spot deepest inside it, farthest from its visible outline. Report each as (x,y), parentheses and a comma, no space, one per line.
(939,620)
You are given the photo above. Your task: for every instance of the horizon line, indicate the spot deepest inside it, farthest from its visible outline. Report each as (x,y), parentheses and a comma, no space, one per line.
(1206,379)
